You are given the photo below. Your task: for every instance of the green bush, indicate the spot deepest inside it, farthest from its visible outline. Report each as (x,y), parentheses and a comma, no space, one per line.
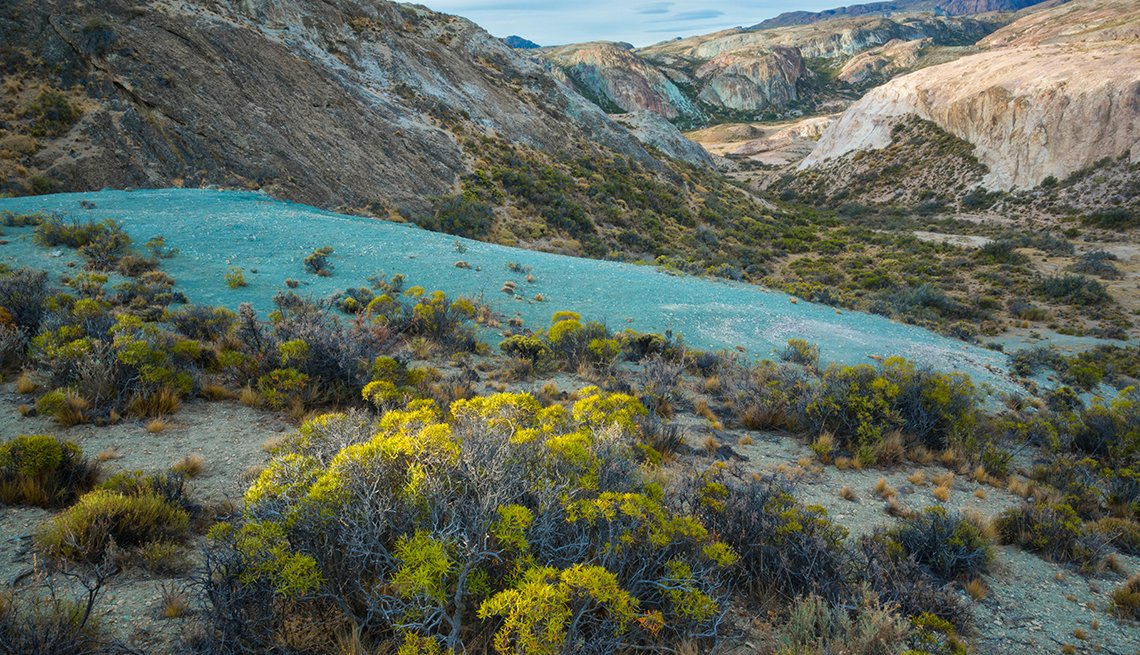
(103,244)
(502,518)
(52,114)
(1053,531)
(42,470)
(317,262)
(85,530)
(1073,290)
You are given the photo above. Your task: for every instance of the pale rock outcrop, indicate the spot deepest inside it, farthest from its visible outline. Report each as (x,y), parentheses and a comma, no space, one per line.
(882,61)
(612,73)
(752,81)
(1031,112)
(652,129)
(1058,90)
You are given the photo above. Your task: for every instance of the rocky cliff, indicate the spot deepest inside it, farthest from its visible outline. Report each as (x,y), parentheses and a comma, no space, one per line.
(745,74)
(336,103)
(617,79)
(1057,91)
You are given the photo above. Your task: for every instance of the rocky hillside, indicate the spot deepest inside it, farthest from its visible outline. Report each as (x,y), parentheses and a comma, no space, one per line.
(749,74)
(340,103)
(1054,93)
(618,80)
(944,7)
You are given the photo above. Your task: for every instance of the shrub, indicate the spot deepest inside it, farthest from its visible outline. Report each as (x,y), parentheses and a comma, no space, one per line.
(235,278)
(202,323)
(84,531)
(1126,599)
(801,352)
(952,547)
(1115,218)
(1122,534)
(784,546)
(52,114)
(102,243)
(23,293)
(897,579)
(1073,290)
(42,470)
(32,621)
(1053,531)
(1098,263)
(503,517)
(816,627)
(317,262)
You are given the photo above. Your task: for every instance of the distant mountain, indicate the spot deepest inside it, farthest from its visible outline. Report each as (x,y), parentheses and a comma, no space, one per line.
(519,43)
(943,7)
(746,75)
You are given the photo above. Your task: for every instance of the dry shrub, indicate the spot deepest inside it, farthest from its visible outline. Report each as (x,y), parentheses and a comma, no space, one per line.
(920,455)
(217,392)
(891,451)
(25,384)
(154,404)
(191,465)
(250,398)
(976,589)
(157,425)
(175,602)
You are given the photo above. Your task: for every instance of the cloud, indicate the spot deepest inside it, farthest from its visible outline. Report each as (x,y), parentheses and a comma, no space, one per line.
(641,22)
(655,8)
(687,16)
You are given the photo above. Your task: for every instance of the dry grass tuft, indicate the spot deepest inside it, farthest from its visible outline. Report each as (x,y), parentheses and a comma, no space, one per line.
(25,410)
(942,493)
(920,455)
(25,385)
(918,478)
(846,494)
(897,509)
(272,444)
(157,425)
(884,490)
(745,440)
(981,475)
(843,463)
(950,458)
(1068,649)
(250,398)
(977,589)
(73,411)
(943,480)
(191,465)
(175,602)
(711,445)
(891,451)
(217,392)
(1018,487)
(712,384)
(1080,634)
(980,494)
(163,402)
(108,454)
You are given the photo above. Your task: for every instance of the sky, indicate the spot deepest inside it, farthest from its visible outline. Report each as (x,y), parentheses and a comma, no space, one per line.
(640,22)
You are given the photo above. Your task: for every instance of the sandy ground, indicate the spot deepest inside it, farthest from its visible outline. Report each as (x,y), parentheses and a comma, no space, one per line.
(1033,605)
(227,435)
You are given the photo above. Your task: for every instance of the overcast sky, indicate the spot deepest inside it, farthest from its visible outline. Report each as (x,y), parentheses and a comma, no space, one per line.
(640,22)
